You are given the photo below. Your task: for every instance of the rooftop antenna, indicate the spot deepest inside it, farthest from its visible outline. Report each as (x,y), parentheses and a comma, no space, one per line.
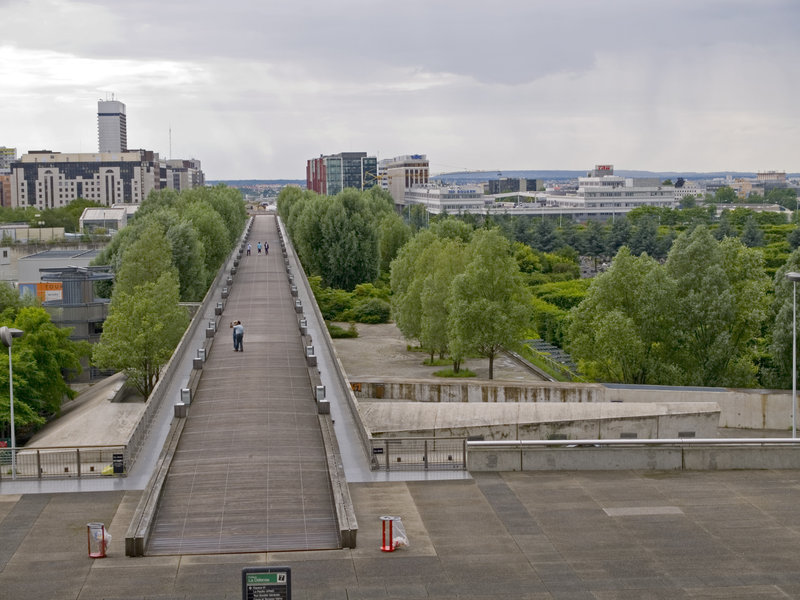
(170,141)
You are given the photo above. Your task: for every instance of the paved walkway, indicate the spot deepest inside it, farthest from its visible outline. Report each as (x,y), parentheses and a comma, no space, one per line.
(522,536)
(250,471)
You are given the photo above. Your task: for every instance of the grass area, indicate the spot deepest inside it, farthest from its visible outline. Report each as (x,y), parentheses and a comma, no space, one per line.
(451,373)
(437,362)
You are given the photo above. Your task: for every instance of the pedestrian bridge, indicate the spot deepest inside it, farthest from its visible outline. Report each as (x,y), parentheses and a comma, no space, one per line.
(248,469)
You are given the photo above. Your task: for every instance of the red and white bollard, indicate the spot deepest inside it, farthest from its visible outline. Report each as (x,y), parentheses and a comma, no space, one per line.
(387,534)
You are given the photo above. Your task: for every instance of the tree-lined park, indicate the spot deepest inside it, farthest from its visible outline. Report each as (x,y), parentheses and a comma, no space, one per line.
(678,297)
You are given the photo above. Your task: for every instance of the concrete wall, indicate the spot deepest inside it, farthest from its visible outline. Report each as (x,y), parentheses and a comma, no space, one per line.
(659,458)
(739,408)
(540,422)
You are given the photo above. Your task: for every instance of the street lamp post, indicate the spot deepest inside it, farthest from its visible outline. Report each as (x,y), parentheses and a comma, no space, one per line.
(794,277)
(7,334)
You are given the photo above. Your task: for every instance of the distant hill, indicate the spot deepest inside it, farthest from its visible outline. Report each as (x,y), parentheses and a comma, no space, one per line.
(555,175)
(251,182)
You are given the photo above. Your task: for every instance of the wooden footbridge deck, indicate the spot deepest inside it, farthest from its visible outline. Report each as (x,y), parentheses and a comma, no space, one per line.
(249,473)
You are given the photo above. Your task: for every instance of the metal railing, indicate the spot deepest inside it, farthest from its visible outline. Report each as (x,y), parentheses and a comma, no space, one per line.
(63,462)
(411,454)
(587,443)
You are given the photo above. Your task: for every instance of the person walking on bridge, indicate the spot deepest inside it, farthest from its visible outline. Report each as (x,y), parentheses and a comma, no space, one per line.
(238,336)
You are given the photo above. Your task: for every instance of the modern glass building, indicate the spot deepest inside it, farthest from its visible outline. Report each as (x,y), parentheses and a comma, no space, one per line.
(329,175)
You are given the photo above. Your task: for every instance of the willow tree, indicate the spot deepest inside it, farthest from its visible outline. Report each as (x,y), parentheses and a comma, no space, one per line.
(142,330)
(489,303)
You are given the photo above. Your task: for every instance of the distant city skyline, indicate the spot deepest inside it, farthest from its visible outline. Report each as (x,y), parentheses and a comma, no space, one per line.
(255,89)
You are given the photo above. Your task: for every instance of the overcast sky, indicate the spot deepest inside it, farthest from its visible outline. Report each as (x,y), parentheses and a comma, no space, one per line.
(254,88)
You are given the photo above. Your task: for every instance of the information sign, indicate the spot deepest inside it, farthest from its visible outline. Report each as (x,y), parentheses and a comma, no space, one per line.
(117,460)
(267,583)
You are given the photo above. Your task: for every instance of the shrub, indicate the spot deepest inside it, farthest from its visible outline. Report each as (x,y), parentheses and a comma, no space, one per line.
(564,294)
(338,332)
(373,310)
(551,322)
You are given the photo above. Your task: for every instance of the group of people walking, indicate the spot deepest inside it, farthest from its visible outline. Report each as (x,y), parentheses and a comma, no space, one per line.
(238,328)
(258,247)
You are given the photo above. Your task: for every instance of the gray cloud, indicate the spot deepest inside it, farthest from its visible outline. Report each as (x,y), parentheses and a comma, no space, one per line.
(255,88)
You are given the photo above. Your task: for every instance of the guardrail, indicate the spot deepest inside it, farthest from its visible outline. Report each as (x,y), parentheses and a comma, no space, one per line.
(159,399)
(412,454)
(63,461)
(637,454)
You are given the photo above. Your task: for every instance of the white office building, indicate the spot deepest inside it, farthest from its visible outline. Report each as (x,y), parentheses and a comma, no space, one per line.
(48,179)
(451,199)
(112,128)
(601,194)
(400,173)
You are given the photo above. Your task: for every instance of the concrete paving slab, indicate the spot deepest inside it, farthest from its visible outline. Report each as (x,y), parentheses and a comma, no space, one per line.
(462,546)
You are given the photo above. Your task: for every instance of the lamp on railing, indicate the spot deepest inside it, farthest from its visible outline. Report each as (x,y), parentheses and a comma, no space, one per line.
(7,334)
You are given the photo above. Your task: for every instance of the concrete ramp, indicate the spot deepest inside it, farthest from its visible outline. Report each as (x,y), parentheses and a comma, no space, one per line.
(527,421)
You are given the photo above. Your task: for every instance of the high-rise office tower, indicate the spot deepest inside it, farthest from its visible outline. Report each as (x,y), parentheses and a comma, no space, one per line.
(112,132)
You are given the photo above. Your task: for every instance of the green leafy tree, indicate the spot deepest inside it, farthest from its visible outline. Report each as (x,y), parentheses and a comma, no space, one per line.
(593,241)
(794,238)
(417,217)
(145,259)
(570,236)
(783,305)
(488,301)
(725,227)
(188,257)
(689,322)
(227,202)
(545,237)
(211,232)
(407,284)
(725,195)
(721,296)
(752,235)
(645,237)
(445,259)
(348,243)
(142,330)
(41,357)
(617,331)
(619,235)
(393,234)
(528,261)
(453,229)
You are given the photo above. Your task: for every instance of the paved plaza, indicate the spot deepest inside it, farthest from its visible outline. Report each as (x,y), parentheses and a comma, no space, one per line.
(603,536)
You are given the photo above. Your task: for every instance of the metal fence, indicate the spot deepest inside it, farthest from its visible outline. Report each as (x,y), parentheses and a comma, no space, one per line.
(411,454)
(63,462)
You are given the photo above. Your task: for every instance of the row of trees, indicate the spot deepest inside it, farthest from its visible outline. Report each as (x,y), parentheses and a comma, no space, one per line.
(459,292)
(346,239)
(67,216)
(170,253)
(692,320)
